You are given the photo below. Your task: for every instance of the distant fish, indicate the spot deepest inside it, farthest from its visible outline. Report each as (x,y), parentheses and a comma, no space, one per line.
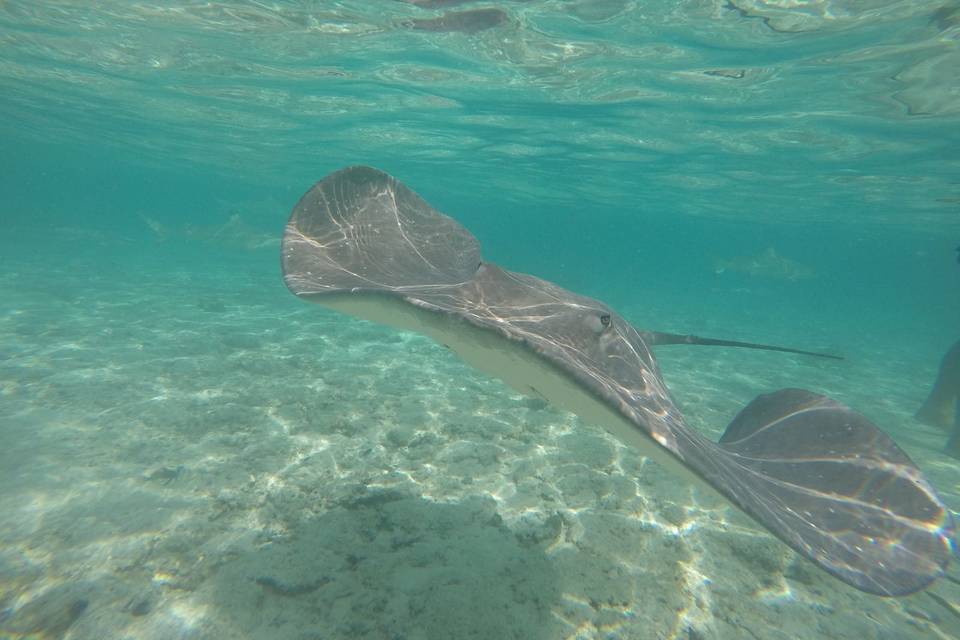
(734,74)
(768,264)
(470,21)
(158,229)
(234,233)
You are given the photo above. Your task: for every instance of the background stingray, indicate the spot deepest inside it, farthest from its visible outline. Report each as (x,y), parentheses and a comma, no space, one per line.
(819,476)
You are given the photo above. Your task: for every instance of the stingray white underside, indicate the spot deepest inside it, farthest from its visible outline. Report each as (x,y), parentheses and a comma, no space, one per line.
(509,360)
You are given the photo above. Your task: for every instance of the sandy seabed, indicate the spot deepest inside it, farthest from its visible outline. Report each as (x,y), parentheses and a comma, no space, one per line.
(187,451)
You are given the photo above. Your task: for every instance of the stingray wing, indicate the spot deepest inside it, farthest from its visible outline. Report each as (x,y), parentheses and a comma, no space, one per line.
(360,229)
(834,487)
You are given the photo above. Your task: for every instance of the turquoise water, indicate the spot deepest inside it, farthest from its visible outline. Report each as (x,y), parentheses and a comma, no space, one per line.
(187,450)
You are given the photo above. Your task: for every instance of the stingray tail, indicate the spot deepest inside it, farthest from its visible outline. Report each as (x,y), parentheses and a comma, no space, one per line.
(834,487)
(657,338)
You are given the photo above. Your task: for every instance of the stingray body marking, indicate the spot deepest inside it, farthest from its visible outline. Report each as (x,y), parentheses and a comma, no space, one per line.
(816,474)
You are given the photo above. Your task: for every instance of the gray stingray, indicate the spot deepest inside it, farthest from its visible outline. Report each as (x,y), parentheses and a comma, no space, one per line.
(941,409)
(819,476)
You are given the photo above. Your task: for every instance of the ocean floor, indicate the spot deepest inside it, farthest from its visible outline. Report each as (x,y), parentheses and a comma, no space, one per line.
(188,451)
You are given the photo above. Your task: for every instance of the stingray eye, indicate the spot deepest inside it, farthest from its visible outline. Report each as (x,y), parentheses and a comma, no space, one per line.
(599,323)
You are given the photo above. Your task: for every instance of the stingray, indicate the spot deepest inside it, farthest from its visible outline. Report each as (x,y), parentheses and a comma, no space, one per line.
(940,409)
(816,474)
